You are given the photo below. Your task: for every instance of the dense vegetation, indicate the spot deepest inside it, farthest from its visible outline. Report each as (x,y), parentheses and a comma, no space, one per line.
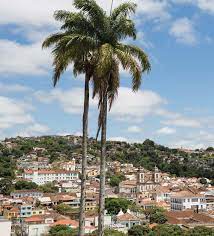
(169,230)
(147,154)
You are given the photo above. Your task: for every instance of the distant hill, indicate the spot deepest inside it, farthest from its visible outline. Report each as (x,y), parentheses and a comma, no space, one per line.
(198,163)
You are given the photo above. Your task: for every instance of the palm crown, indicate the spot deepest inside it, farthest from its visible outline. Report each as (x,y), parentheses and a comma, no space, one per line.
(91,40)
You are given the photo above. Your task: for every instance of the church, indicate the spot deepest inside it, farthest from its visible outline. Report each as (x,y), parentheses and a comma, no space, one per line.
(148,180)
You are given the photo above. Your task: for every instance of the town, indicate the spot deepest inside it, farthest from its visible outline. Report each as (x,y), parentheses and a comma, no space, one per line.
(40,182)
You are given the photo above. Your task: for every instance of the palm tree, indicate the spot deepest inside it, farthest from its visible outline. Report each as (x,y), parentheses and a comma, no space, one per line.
(106,77)
(73,45)
(91,40)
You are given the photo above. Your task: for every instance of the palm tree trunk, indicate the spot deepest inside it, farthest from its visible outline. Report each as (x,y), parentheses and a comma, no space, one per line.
(102,168)
(84,157)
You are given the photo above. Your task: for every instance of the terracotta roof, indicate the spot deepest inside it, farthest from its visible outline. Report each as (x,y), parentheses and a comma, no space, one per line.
(185,193)
(35,218)
(72,223)
(126,217)
(14,209)
(50,171)
(188,217)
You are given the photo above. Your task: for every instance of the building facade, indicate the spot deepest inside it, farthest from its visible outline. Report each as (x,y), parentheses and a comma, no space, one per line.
(148,180)
(185,200)
(45,176)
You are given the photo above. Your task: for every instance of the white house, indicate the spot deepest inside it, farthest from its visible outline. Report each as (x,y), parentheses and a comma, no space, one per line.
(45,176)
(183,200)
(70,166)
(5,227)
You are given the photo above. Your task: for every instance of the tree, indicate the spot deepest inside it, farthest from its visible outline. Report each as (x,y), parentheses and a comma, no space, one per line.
(114,205)
(22,184)
(62,230)
(74,45)
(91,40)
(65,209)
(168,230)
(108,232)
(48,188)
(6,186)
(116,179)
(201,231)
(139,230)
(111,54)
(158,217)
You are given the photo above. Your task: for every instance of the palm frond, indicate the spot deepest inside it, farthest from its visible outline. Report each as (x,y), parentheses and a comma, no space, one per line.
(140,54)
(53,39)
(123,10)
(92,10)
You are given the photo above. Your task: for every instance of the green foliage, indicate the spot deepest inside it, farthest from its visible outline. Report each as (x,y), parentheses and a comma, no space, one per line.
(48,188)
(139,230)
(155,215)
(22,185)
(7,165)
(62,230)
(116,179)
(169,230)
(6,186)
(201,231)
(158,217)
(65,209)
(108,232)
(114,205)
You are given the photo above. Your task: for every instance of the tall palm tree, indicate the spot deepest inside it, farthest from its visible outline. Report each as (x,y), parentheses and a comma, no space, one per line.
(91,40)
(74,44)
(107,78)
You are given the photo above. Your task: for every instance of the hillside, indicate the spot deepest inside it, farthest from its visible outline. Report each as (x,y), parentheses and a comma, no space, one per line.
(199,163)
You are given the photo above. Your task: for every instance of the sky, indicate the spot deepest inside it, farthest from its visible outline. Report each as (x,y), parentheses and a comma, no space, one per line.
(174,106)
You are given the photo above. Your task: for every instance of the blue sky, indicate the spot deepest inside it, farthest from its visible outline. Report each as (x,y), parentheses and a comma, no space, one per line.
(174,106)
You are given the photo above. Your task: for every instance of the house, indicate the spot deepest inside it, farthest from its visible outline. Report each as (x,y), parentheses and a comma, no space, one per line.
(184,200)
(25,210)
(5,226)
(26,193)
(69,166)
(209,196)
(189,219)
(127,219)
(45,176)
(161,193)
(38,224)
(71,223)
(13,213)
(128,186)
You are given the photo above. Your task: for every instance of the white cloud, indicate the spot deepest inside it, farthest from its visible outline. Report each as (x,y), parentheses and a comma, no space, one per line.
(183,30)
(183,122)
(23,59)
(119,139)
(39,13)
(38,128)
(134,129)
(13,88)
(71,100)
(135,106)
(166,131)
(13,113)
(128,106)
(154,9)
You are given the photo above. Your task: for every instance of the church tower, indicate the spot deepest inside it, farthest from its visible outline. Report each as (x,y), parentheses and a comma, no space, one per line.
(157,175)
